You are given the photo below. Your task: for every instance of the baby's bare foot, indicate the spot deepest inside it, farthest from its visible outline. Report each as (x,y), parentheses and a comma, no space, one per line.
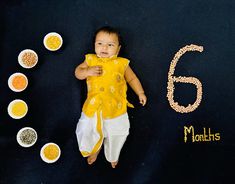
(114,164)
(91,159)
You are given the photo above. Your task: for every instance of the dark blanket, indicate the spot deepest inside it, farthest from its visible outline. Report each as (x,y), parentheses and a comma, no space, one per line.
(161,147)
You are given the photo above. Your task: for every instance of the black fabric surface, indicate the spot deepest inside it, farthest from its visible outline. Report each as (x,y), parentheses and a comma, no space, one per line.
(153,31)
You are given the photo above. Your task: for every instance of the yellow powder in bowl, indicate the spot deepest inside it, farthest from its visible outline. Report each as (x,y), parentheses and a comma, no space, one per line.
(51,152)
(19,108)
(19,82)
(53,42)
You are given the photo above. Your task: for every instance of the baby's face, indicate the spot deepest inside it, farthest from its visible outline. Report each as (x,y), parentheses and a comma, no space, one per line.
(106,45)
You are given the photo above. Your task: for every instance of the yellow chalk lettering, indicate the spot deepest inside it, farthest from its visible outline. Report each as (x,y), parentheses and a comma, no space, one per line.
(217,136)
(205,136)
(188,130)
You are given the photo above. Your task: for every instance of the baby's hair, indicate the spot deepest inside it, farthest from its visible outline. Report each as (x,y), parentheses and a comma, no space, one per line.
(109,30)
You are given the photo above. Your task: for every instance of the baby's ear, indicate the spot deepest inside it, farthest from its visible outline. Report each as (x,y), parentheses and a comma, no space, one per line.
(119,48)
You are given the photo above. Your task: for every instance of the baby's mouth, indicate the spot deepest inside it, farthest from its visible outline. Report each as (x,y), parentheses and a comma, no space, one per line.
(104,53)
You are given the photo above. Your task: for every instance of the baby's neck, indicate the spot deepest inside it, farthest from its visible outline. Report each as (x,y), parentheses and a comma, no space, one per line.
(106,57)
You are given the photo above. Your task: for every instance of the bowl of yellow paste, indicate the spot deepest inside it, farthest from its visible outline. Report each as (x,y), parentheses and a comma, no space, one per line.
(17,82)
(26,137)
(17,109)
(50,152)
(53,41)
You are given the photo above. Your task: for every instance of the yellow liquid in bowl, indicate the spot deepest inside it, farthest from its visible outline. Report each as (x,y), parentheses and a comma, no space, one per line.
(51,152)
(19,109)
(53,42)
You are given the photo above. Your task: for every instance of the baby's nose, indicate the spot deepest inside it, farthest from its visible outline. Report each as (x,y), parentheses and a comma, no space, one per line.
(105,47)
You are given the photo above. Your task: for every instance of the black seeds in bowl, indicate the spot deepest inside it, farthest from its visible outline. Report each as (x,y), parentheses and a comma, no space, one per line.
(28,136)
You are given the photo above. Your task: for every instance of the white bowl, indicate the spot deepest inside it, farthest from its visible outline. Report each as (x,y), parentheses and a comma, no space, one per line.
(10,80)
(21,137)
(21,61)
(9,109)
(46,159)
(52,34)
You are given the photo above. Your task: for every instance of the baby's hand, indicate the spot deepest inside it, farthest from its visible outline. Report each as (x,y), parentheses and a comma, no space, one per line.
(142,98)
(94,70)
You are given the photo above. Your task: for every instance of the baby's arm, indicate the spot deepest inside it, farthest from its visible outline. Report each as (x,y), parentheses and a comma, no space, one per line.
(135,84)
(83,71)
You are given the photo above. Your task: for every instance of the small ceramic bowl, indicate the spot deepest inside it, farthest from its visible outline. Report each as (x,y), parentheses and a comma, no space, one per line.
(17,82)
(53,41)
(26,137)
(50,152)
(28,58)
(17,109)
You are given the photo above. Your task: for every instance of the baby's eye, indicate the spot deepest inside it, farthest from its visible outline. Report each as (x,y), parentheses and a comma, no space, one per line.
(98,43)
(110,45)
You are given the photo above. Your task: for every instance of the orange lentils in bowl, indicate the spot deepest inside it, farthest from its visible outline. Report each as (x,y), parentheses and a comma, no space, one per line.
(17,82)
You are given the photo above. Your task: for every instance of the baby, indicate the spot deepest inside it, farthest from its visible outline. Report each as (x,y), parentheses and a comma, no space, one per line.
(104,119)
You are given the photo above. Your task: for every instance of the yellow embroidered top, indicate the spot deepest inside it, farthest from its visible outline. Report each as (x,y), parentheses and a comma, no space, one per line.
(107,93)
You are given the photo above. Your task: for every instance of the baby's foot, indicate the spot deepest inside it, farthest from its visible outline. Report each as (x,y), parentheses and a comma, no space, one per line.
(91,159)
(114,164)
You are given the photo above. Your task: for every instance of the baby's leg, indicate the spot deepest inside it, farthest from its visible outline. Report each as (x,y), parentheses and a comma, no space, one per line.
(112,148)
(87,136)
(92,158)
(116,131)
(113,164)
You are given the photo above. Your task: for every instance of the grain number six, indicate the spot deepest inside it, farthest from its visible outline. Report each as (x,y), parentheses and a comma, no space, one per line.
(183,79)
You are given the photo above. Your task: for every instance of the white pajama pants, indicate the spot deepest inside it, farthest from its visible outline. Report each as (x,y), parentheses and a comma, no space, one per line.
(115,132)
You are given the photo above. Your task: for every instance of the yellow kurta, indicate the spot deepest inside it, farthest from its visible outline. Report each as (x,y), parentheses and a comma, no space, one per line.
(107,93)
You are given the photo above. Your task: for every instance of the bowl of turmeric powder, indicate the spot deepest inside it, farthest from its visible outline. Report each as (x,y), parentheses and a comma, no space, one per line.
(17,109)
(53,41)
(27,58)
(17,82)
(50,152)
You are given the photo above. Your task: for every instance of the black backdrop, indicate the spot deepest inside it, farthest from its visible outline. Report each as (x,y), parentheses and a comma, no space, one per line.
(153,31)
